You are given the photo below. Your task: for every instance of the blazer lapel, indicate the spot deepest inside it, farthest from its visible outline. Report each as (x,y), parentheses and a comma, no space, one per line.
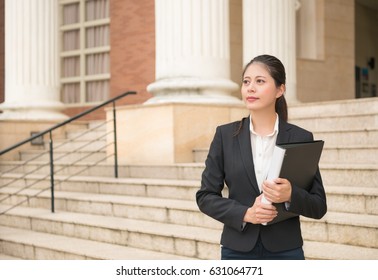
(283,132)
(244,138)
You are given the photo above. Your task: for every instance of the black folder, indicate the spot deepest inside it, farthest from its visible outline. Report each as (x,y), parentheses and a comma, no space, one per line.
(300,162)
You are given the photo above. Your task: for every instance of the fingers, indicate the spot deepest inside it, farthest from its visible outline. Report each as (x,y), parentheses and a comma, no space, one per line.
(281,181)
(264,215)
(260,213)
(277,191)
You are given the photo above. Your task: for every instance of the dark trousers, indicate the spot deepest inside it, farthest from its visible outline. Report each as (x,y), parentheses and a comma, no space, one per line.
(260,253)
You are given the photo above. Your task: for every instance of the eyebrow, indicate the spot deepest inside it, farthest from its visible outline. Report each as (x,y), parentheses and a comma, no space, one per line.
(255,77)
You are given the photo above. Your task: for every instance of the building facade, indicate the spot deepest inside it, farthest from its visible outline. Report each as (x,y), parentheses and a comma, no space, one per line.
(60,57)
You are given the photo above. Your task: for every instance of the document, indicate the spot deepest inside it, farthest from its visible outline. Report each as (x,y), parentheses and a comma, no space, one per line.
(296,162)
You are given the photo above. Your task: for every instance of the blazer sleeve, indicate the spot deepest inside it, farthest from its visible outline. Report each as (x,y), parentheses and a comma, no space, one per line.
(311,203)
(209,197)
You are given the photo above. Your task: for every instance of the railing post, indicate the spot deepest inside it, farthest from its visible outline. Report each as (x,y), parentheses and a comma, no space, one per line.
(115,141)
(51,129)
(52,173)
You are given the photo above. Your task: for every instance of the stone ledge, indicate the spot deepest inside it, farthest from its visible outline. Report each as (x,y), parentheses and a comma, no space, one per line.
(48,246)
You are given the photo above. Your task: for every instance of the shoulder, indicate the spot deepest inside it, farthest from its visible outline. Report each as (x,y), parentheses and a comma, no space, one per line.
(296,130)
(294,127)
(233,127)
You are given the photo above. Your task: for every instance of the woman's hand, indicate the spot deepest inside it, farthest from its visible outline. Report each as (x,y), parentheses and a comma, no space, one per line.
(277,191)
(260,212)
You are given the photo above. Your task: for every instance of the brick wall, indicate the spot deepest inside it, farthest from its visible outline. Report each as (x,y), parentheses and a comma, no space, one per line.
(132,55)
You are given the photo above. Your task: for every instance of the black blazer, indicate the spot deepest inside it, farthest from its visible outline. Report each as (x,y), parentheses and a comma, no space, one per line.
(230,162)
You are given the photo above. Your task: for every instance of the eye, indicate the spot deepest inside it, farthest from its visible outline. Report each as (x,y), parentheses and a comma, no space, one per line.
(246,82)
(260,81)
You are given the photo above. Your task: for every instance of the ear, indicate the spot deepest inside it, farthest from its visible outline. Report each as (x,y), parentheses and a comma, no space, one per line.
(280,91)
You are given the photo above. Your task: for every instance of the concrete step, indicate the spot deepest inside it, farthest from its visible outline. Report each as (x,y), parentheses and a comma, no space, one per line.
(85,143)
(31,245)
(72,127)
(95,132)
(170,197)
(8,257)
(108,230)
(349,228)
(82,145)
(331,251)
(192,242)
(186,212)
(360,200)
(80,125)
(343,228)
(364,175)
(84,139)
(340,154)
(340,122)
(351,138)
(184,171)
(158,188)
(333,173)
(352,107)
(363,198)
(200,155)
(172,211)
(63,156)
(365,155)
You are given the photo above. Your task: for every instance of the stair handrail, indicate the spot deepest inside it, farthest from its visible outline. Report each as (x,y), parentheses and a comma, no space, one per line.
(51,129)
(37,135)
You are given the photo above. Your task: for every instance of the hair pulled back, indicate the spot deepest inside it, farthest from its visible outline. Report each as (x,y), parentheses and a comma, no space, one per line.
(277,70)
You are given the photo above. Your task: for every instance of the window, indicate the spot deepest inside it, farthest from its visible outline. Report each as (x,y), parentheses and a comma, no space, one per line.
(85,46)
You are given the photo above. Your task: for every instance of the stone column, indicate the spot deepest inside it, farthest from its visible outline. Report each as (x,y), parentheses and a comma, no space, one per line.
(269,28)
(31,61)
(192,52)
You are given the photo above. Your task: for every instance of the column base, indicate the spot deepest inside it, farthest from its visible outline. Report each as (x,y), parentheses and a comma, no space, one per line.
(168,133)
(194,99)
(33,112)
(193,90)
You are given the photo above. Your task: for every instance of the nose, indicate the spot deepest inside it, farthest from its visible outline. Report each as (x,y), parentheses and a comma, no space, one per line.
(251,87)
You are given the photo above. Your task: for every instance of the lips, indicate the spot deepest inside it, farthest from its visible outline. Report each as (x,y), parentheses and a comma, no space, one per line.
(251,98)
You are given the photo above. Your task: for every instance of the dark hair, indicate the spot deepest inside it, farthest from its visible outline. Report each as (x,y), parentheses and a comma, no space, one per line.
(277,70)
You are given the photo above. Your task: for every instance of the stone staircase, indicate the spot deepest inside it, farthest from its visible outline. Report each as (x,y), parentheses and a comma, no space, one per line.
(150,211)
(349,167)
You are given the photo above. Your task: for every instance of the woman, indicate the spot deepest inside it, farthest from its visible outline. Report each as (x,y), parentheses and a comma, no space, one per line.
(240,156)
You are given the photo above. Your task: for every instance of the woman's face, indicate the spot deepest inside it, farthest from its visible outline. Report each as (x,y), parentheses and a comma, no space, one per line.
(259,91)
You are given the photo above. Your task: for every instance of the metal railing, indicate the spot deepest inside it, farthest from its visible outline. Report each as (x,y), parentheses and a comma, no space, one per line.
(26,175)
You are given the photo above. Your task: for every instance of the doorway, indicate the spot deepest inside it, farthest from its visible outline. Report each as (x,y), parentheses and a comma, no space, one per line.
(366,48)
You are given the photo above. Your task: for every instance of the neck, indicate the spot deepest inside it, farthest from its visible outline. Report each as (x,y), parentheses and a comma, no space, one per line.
(263,122)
